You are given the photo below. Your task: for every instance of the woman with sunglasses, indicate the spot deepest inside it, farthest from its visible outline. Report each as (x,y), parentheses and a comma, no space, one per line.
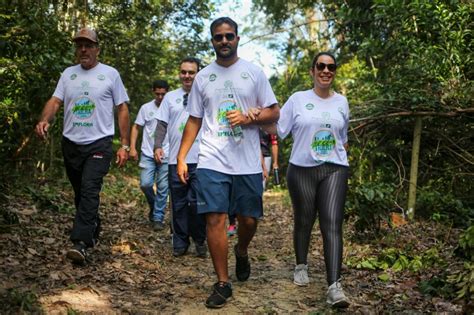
(318,170)
(317,174)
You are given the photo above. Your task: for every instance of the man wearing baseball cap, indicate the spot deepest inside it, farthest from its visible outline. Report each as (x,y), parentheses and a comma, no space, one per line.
(89,91)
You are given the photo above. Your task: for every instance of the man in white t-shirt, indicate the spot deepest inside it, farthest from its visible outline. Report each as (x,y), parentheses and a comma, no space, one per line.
(152,172)
(89,92)
(172,117)
(229,167)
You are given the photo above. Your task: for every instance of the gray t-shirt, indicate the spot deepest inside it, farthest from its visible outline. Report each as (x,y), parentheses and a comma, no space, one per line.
(216,90)
(173,112)
(147,118)
(89,98)
(318,127)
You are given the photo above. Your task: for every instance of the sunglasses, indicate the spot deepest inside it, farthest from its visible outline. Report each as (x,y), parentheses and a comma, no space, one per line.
(220,37)
(185,99)
(321,65)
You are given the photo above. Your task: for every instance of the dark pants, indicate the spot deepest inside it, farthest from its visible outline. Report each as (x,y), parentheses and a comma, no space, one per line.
(86,166)
(185,220)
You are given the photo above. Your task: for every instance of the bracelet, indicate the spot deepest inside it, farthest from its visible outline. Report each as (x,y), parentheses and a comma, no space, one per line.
(125,147)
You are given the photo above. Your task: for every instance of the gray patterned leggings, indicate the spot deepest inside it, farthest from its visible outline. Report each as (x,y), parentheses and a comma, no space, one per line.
(319,190)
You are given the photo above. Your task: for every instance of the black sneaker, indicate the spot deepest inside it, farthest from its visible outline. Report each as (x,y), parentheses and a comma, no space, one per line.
(242,266)
(158,226)
(201,250)
(222,292)
(77,254)
(180,251)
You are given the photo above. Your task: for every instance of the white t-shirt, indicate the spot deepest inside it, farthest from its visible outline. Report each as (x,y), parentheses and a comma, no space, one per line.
(216,90)
(173,112)
(318,126)
(89,97)
(147,118)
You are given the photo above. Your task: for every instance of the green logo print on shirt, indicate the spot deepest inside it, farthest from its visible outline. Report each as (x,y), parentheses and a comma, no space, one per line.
(323,143)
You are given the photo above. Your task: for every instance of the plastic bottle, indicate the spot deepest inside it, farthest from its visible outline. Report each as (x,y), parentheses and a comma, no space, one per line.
(237,133)
(276,177)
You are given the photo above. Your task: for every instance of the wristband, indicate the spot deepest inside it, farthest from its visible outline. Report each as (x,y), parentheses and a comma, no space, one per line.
(126,147)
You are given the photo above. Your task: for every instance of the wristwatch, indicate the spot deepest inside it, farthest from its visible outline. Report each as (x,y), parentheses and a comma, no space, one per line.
(126,147)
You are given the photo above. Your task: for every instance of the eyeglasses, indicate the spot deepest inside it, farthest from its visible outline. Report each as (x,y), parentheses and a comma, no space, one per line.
(185,99)
(220,37)
(88,46)
(321,66)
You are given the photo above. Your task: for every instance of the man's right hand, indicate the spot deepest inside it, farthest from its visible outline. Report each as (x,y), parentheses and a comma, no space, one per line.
(182,171)
(159,155)
(42,129)
(133,154)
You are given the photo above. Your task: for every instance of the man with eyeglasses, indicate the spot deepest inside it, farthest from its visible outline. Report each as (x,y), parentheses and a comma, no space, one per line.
(89,91)
(151,171)
(172,117)
(229,167)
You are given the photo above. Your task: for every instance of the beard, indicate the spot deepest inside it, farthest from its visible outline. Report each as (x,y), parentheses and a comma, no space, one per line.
(232,52)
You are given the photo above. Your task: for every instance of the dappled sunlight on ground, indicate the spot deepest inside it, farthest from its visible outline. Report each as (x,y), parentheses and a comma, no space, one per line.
(83,300)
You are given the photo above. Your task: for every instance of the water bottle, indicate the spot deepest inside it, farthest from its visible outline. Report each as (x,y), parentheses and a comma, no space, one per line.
(276,177)
(237,133)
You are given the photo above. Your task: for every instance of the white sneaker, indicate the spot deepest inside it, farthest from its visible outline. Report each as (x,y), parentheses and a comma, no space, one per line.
(300,277)
(336,296)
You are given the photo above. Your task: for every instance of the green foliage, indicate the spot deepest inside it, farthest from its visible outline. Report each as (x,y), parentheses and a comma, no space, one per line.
(372,203)
(21,301)
(144,40)
(463,280)
(397,260)
(394,57)
(46,196)
(466,243)
(434,201)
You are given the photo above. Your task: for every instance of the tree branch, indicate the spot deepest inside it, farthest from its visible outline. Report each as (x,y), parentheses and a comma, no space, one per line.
(281,30)
(414,114)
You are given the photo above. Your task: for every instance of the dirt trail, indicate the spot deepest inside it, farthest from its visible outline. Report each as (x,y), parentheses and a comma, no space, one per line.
(133,270)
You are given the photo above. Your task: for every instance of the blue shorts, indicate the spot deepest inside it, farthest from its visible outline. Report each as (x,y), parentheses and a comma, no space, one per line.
(232,194)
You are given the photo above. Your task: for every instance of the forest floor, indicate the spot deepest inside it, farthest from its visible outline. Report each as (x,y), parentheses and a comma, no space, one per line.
(133,270)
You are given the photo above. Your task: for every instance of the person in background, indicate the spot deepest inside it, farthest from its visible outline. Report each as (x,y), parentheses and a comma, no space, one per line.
(89,92)
(268,156)
(152,173)
(269,147)
(172,117)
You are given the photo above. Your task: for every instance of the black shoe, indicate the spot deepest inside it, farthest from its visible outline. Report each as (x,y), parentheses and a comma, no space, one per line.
(222,292)
(180,251)
(77,254)
(201,250)
(242,266)
(158,226)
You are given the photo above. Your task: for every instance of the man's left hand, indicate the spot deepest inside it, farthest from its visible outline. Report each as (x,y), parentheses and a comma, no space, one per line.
(236,118)
(122,157)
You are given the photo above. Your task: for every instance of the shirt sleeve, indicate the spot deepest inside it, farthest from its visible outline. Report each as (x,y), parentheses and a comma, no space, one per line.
(163,112)
(286,121)
(265,95)
(195,106)
(119,93)
(59,91)
(346,122)
(140,120)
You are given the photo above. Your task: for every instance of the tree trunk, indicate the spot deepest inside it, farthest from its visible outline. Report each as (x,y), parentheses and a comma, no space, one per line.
(415,154)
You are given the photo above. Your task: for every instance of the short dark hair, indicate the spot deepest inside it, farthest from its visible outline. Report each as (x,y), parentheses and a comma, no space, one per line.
(224,20)
(323,53)
(160,84)
(192,60)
